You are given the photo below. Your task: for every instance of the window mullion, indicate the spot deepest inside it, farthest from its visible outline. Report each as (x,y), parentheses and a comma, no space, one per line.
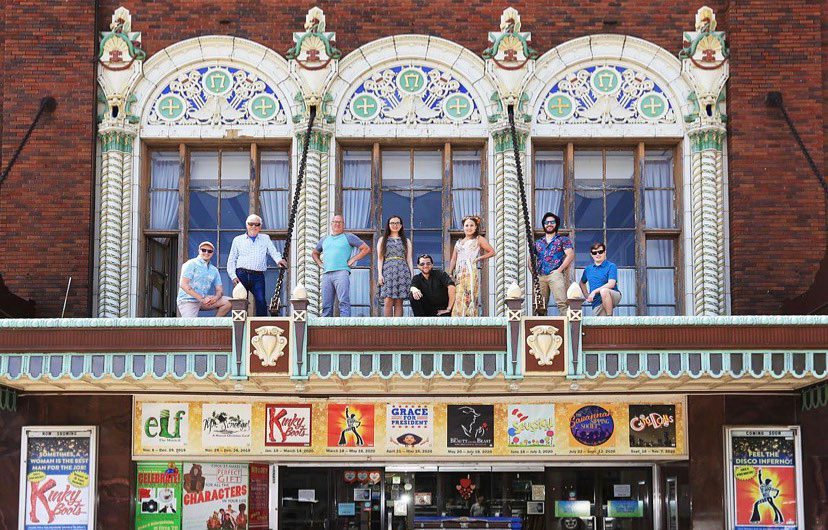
(183,200)
(640,237)
(447,198)
(254,184)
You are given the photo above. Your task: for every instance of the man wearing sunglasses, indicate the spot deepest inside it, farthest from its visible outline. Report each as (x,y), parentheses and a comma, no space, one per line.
(602,277)
(247,261)
(199,278)
(432,291)
(555,253)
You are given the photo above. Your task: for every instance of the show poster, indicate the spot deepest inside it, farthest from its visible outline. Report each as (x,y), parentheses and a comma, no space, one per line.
(258,495)
(226,427)
(409,427)
(470,426)
(288,425)
(652,426)
(351,425)
(593,428)
(215,496)
(158,506)
(531,426)
(764,479)
(58,471)
(165,427)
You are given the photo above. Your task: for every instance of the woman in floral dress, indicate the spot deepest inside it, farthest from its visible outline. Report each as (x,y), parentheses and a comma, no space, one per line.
(394,261)
(464,260)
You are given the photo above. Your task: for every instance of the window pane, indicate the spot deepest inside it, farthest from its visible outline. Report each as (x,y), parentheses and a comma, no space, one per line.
(164,210)
(275,206)
(659,252)
(466,170)
(396,203)
(356,169)
(361,287)
(275,170)
(464,202)
(620,209)
(429,242)
(589,209)
(165,169)
(396,169)
(547,201)
(203,209)
(661,311)
(225,243)
(658,209)
(626,284)
(428,209)
(548,170)
(621,247)
(356,207)
(658,169)
(235,170)
(197,237)
(234,208)
(661,286)
(620,169)
(366,260)
(583,240)
(203,170)
(589,169)
(428,169)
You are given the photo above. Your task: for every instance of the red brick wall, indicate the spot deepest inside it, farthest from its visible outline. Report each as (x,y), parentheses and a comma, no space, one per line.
(45,202)
(775,244)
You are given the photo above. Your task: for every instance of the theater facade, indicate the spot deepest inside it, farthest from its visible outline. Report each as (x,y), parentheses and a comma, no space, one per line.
(679,412)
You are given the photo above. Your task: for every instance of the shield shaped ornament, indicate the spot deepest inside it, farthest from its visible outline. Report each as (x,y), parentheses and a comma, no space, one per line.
(269,344)
(544,344)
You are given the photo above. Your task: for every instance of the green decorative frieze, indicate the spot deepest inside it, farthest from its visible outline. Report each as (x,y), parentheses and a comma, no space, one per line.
(707,139)
(319,141)
(503,141)
(815,397)
(8,399)
(117,141)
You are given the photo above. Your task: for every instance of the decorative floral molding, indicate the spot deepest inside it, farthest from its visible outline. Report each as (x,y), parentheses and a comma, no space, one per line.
(544,344)
(605,94)
(411,94)
(217,95)
(269,344)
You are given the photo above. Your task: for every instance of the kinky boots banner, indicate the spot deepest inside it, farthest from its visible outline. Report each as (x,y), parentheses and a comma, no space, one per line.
(402,429)
(57,478)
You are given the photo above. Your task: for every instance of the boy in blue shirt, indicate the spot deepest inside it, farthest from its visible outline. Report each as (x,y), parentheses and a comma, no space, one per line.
(602,277)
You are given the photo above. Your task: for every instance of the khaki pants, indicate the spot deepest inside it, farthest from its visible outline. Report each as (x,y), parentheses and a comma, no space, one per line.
(616,299)
(556,283)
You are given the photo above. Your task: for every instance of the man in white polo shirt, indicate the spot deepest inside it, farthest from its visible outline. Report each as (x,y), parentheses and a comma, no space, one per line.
(247,261)
(199,278)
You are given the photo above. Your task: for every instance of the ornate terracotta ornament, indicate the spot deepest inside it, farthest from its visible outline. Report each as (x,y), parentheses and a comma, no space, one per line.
(269,344)
(544,344)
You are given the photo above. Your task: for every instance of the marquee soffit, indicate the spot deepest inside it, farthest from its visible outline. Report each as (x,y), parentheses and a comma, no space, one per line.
(395,53)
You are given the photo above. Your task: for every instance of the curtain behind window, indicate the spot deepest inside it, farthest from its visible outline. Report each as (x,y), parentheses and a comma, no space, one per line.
(274,196)
(356,204)
(658,203)
(164,192)
(548,188)
(465,201)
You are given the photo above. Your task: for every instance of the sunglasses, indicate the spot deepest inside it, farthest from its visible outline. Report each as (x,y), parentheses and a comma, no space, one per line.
(426,264)
(550,222)
(207,250)
(597,252)
(254,224)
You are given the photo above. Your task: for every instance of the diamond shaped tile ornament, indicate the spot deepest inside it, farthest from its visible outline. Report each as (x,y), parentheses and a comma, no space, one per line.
(411,94)
(217,96)
(314,59)
(606,94)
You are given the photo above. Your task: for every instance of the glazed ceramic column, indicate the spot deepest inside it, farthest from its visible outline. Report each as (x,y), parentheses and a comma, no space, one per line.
(705,65)
(314,62)
(119,64)
(509,63)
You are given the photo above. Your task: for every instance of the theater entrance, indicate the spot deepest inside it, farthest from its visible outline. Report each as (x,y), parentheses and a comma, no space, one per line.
(551,498)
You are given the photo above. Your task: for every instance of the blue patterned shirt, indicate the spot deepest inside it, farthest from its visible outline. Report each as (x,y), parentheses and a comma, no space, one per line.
(204,279)
(551,255)
(251,254)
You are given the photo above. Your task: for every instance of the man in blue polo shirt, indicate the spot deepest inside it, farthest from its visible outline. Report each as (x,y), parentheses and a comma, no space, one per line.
(602,277)
(333,255)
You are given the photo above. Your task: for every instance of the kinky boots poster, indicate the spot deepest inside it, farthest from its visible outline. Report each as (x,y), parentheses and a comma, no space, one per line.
(58,478)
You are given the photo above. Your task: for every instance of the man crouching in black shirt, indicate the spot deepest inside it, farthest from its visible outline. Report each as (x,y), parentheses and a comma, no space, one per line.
(432,291)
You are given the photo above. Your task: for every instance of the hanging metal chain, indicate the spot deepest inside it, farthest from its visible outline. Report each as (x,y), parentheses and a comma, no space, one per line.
(276,301)
(538,301)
